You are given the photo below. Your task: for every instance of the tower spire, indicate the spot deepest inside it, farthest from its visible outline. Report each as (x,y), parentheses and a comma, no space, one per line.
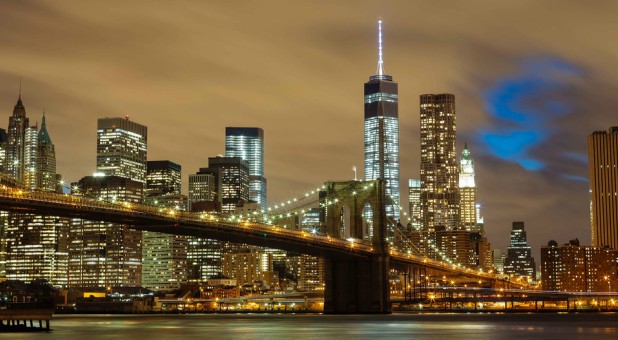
(19,88)
(380,61)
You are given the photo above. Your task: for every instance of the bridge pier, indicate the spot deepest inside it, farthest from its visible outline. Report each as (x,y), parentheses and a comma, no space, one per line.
(357,286)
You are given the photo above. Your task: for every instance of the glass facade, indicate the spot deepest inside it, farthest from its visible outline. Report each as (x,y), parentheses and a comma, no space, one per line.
(382,139)
(248,144)
(414,201)
(519,260)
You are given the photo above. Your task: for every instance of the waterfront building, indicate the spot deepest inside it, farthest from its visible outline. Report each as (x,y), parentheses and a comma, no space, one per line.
(575,268)
(122,148)
(105,254)
(381,135)
(467,190)
(248,267)
(248,144)
(439,169)
(519,260)
(414,204)
(164,256)
(603,173)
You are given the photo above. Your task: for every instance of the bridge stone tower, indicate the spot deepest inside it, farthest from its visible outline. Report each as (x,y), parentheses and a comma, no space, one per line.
(357,285)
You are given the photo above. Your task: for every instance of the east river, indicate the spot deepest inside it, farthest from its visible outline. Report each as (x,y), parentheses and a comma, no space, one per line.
(315,326)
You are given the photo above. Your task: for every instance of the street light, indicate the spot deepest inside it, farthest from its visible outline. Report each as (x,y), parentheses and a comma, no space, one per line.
(609,283)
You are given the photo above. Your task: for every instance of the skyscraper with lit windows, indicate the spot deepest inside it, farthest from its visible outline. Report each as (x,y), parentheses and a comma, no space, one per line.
(248,144)
(381,135)
(122,148)
(439,169)
(467,191)
(603,172)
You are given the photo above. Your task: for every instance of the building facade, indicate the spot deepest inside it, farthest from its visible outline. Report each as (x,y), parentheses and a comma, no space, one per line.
(439,169)
(105,254)
(234,179)
(414,204)
(603,173)
(519,260)
(381,134)
(467,191)
(15,146)
(122,148)
(248,144)
(164,256)
(575,268)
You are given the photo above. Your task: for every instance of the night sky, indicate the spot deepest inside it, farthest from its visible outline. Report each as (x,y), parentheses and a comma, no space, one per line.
(532,79)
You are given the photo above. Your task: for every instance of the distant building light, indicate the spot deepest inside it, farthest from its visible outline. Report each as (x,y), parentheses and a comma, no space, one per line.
(98,174)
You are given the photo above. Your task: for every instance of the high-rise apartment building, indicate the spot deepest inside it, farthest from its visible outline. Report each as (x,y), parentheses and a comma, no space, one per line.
(603,172)
(248,144)
(121,148)
(575,268)
(467,191)
(414,204)
(519,260)
(164,256)
(439,168)
(105,254)
(381,136)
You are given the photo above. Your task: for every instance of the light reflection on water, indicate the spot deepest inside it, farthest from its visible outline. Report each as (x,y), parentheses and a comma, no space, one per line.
(303,326)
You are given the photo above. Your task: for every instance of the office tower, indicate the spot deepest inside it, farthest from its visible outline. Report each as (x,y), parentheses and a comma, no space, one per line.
(164,256)
(30,158)
(414,202)
(603,172)
(36,246)
(204,190)
(18,123)
(382,134)
(105,254)
(121,148)
(575,268)
(162,178)
(439,168)
(46,160)
(467,191)
(519,260)
(234,174)
(4,139)
(248,144)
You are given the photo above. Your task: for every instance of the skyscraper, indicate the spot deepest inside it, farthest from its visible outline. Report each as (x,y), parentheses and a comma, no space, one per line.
(382,132)
(603,172)
(248,144)
(121,148)
(164,256)
(234,188)
(163,178)
(105,254)
(18,123)
(414,202)
(46,160)
(36,245)
(467,191)
(519,260)
(205,187)
(439,168)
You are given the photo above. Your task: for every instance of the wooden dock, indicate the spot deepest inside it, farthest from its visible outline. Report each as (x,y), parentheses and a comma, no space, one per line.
(25,317)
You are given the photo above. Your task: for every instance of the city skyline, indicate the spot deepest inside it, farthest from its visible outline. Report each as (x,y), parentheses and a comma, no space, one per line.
(562,203)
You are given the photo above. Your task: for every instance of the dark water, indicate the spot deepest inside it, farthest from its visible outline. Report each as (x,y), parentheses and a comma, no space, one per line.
(268,326)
